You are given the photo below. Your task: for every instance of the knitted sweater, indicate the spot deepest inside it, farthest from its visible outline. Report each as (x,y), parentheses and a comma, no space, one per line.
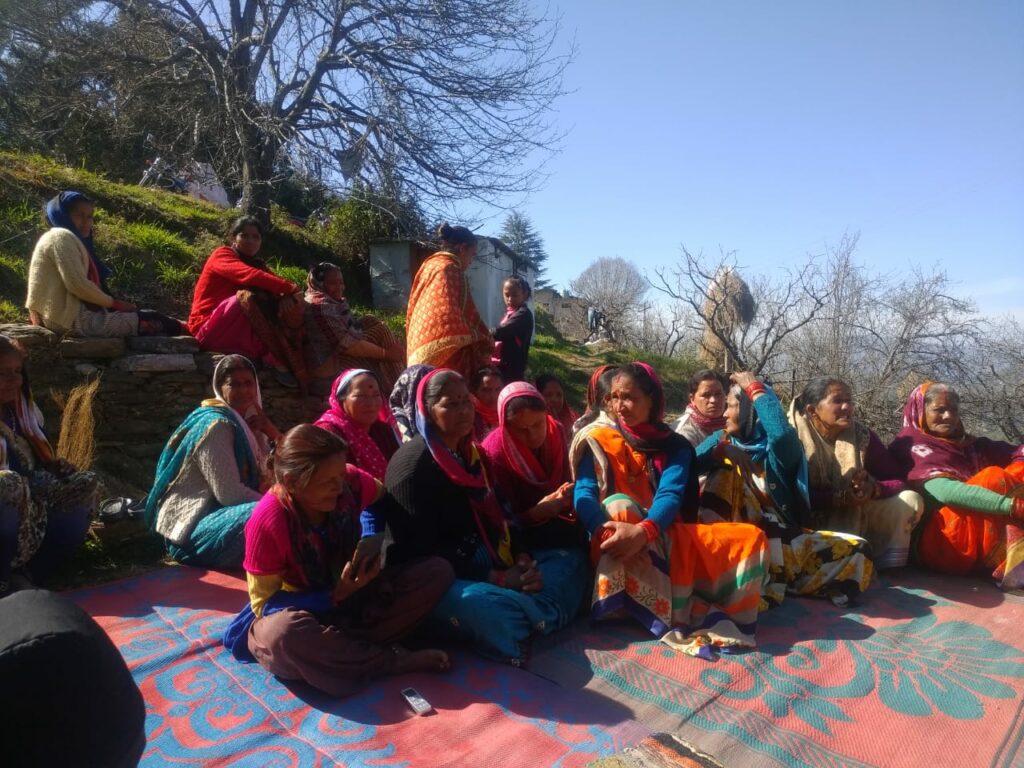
(207,481)
(58,280)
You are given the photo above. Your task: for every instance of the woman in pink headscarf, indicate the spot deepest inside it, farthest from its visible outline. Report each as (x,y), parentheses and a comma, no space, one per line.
(529,462)
(358,413)
(973,489)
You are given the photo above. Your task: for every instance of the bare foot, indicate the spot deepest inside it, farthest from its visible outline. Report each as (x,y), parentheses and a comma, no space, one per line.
(427,660)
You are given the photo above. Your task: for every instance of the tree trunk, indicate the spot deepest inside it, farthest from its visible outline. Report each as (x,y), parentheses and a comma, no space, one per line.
(257,159)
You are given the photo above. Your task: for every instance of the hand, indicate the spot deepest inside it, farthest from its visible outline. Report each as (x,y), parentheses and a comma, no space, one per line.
(862,487)
(351,582)
(395,353)
(625,542)
(260,422)
(743,379)
(524,576)
(123,306)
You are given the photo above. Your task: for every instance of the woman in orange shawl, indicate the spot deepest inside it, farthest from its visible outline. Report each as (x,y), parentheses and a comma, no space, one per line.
(443,325)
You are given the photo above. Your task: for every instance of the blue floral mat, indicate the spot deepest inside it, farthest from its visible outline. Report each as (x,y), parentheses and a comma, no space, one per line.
(926,671)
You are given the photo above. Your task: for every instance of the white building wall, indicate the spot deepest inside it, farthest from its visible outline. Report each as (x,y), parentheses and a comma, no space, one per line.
(391,277)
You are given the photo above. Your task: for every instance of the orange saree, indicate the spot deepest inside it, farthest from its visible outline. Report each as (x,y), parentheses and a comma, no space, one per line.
(443,326)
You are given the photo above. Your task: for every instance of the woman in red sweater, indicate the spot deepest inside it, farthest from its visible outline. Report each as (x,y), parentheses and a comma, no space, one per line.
(241,307)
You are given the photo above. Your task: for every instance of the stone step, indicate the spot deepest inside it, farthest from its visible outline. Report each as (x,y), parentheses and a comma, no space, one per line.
(94,349)
(154,363)
(164,345)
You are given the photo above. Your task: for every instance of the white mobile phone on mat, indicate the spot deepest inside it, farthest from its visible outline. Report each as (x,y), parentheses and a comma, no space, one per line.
(419,705)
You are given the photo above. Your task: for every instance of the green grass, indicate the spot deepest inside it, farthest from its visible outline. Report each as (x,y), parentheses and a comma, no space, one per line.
(154,241)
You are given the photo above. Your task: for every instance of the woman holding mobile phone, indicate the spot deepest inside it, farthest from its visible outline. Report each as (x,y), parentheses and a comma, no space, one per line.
(200,501)
(321,608)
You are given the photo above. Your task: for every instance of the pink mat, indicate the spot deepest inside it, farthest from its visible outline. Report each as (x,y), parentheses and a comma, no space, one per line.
(206,709)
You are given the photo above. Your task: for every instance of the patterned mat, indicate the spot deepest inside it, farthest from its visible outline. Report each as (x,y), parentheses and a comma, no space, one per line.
(927,671)
(206,709)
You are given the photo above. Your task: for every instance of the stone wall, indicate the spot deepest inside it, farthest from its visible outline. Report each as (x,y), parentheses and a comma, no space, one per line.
(147,387)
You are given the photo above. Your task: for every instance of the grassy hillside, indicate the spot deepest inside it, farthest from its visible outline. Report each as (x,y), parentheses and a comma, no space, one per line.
(154,241)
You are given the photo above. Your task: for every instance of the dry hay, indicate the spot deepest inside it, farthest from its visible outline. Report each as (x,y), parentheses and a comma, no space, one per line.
(77,441)
(729,307)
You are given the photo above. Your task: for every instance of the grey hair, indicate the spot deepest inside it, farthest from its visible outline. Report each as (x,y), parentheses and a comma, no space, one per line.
(935,389)
(432,390)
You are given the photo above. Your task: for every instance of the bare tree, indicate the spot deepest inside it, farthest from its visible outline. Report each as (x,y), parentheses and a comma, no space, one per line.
(661,330)
(439,100)
(616,289)
(994,399)
(783,307)
(884,334)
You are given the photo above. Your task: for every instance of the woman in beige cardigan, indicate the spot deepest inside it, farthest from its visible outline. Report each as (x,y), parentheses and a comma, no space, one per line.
(67,282)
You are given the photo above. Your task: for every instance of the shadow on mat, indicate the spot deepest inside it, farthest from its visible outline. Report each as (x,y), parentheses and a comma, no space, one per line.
(472,682)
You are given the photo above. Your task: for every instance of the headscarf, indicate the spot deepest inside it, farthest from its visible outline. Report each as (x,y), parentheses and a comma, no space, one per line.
(403,400)
(28,421)
(58,214)
(259,450)
(467,472)
(325,309)
(364,449)
(753,439)
(931,456)
(486,419)
(546,472)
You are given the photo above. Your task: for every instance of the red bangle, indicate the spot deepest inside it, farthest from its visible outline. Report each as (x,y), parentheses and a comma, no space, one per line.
(755,389)
(651,529)
(499,579)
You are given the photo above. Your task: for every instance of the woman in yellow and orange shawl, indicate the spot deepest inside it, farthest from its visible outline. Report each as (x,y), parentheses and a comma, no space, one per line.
(443,326)
(697,587)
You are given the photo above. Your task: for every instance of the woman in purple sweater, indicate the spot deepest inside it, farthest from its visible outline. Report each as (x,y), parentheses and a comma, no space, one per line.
(855,485)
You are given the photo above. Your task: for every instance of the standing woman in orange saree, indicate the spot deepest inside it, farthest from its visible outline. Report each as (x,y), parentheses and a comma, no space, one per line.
(443,326)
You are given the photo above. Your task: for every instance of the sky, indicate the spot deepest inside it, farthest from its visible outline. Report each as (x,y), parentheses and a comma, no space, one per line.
(772,129)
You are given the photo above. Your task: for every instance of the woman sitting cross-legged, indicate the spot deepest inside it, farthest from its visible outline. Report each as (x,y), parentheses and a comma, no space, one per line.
(209,475)
(973,489)
(766,485)
(45,504)
(357,412)
(690,584)
(855,484)
(321,608)
(529,464)
(443,503)
(241,307)
(336,339)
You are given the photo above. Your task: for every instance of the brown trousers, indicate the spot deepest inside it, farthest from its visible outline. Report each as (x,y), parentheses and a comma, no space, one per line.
(339,652)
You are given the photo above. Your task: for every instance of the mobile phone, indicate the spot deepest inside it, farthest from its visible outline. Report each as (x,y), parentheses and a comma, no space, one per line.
(419,705)
(367,549)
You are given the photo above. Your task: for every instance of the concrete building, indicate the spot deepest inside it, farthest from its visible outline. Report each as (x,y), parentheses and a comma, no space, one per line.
(393,263)
(568,313)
